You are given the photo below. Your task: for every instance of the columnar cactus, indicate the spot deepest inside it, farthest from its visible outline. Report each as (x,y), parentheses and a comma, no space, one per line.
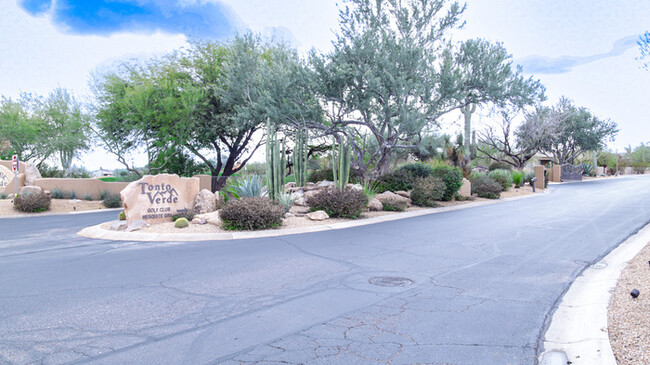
(299,155)
(341,163)
(275,162)
(467,111)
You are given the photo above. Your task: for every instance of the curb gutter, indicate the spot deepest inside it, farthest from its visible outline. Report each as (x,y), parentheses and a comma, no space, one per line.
(577,333)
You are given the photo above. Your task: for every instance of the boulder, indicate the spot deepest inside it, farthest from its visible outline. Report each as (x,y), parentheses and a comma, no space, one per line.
(30,190)
(325,184)
(118,226)
(210,218)
(156,198)
(136,225)
(404,194)
(318,215)
(301,202)
(31,173)
(205,202)
(392,199)
(355,186)
(289,185)
(288,215)
(309,194)
(199,221)
(466,188)
(374,205)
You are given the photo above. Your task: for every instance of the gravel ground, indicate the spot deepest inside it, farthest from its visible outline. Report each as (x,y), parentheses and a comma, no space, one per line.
(56,206)
(628,319)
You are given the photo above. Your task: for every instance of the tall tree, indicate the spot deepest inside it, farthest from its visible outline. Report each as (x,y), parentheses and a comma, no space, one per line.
(21,129)
(393,73)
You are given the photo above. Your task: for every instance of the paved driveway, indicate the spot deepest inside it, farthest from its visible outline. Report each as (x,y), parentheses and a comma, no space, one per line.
(484,282)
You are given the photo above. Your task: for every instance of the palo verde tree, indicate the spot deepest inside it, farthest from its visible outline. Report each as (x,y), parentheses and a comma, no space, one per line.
(393,73)
(206,99)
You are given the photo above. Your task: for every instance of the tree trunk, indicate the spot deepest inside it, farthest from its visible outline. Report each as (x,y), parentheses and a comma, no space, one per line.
(383,165)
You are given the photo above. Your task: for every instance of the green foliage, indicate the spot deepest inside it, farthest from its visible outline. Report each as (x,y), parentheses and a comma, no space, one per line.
(395,181)
(247,186)
(487,187)
(181,223)
(498,165)
(339,203)
(587,169)
(108,179)
(183,214)
(528,176)
(427,190)
(300,151)
(518,178)
(88,197)
(251,213)
(503,177)
(103,194)
(287,200)
(341,163)
(417,169)
(32,202)
(320,175)
(3,196)
(275,162)
(121,216)
(370,189)
(453,179)
(112,201)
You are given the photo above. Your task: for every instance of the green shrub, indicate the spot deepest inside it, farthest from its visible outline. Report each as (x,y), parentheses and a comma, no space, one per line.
(103,194)
(72,195)
(248,186)
(32,202)
(417,169)
(251,213)
(112,201)
(370,189)
(503,177)
(287,200)
(497,165)
(426,190)
(3,196)
(395,181)
(326,174)
(339,203)
(487,187)
(587,168)
(121,216)
(88,197)
(452,177)
(185,214)
(518,178)
(181,223)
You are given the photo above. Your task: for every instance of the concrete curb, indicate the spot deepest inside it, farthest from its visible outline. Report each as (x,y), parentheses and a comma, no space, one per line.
(577,333)
(66,213)
(100,233)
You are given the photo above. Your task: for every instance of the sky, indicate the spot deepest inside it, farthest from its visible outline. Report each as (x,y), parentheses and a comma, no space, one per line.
(581,49)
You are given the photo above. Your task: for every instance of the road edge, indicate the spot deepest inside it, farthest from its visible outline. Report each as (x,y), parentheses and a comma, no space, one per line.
(577,332)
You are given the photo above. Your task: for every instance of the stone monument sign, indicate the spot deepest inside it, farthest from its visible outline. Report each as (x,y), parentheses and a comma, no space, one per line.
(156,198)
(6,177)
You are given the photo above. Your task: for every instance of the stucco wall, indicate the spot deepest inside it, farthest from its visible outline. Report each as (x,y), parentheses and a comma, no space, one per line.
(81,187)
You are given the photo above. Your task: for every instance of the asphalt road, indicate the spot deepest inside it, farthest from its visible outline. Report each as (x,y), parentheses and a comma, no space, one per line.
(484,282)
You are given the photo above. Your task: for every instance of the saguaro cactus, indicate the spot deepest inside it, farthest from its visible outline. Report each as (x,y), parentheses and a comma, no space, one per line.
(467,111)
(275,162)
(341,163)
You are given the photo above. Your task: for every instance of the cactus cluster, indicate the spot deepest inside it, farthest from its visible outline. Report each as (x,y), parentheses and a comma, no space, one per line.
(276,162)
(341,163)
(300,155)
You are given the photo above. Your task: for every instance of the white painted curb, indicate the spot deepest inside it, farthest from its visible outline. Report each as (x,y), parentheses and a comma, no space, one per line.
(578,330)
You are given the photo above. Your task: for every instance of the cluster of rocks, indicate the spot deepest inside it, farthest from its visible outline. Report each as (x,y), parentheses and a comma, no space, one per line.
(310,189)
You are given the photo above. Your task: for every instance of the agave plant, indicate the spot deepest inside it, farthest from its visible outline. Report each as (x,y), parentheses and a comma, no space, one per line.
(287,200)
(370,189)
(247,186)
(587,168)
(518,178)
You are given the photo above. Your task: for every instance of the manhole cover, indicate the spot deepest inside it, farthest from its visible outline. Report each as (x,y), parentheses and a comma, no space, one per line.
(390,281)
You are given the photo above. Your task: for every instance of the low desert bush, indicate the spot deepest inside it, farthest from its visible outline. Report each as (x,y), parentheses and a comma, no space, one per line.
(453,179)
(326,174)
(499,166)
(3,196)
(528,177)
(32,202)
(339,203)
(426,190)
(88,197)
(251,213)
(395,181)
(185,214)
(503,177)
(417,169)
(58,194)
(112,201)
(487,187)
